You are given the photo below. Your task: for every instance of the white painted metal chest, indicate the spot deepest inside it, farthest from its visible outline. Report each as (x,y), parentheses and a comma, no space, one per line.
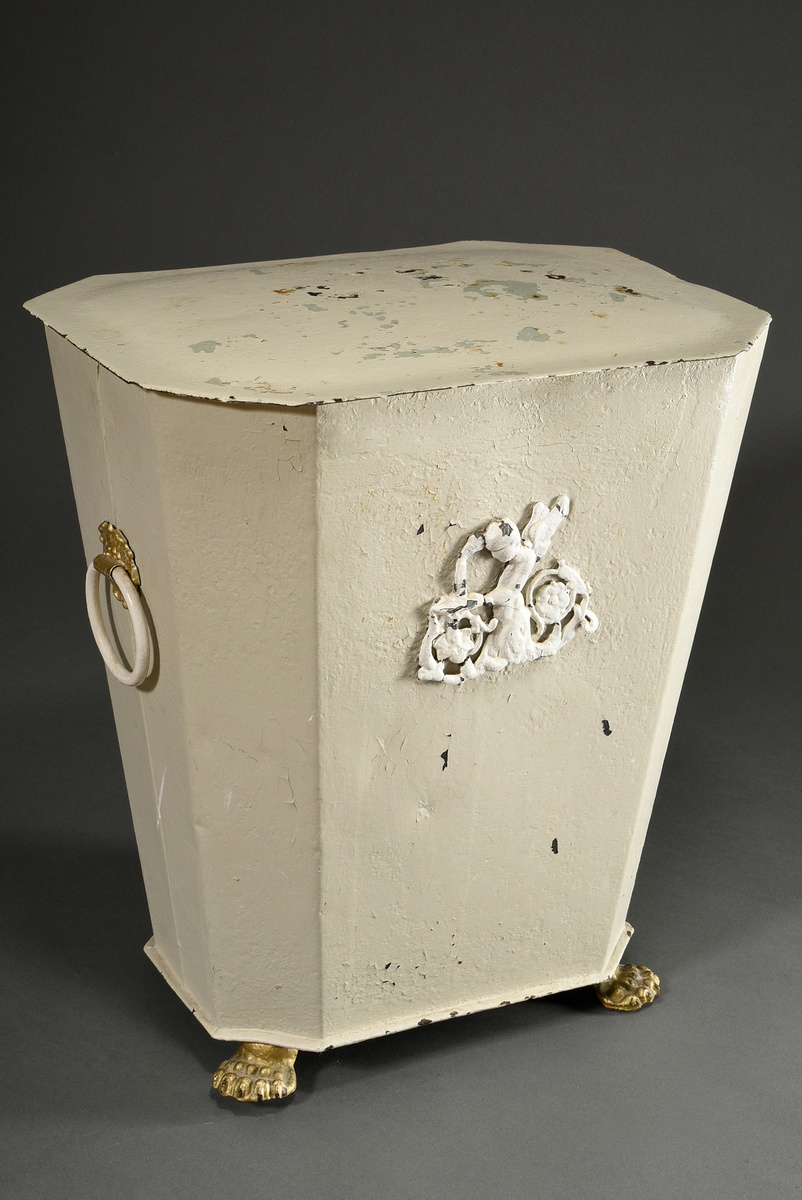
(422,539)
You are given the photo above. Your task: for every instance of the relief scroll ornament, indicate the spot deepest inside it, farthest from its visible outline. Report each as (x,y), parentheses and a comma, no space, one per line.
(528,614)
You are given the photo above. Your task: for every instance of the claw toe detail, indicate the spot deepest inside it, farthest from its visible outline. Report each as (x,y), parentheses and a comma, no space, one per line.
(257,1072)
(629,988)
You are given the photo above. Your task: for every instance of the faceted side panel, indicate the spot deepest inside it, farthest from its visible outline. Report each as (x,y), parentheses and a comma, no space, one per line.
(77,386)
(160,798)
(220,744)
(479,841)
(729,386)
(237,501)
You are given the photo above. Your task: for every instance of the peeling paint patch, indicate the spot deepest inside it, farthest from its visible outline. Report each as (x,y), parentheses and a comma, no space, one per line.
(315,307)
(207,347)
(428,350)
(499,368)
(529,334)
(511,287)
(555,849)
(606,728)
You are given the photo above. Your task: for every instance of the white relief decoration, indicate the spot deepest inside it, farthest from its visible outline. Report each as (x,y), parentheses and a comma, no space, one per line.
(528,614)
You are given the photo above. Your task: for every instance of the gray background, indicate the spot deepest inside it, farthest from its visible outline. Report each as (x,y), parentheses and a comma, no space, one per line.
(167,135)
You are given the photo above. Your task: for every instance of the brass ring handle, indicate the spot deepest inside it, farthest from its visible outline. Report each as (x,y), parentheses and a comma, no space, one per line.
(117,564)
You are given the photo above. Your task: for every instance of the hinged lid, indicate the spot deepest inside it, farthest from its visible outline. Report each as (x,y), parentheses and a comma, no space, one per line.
(359,325)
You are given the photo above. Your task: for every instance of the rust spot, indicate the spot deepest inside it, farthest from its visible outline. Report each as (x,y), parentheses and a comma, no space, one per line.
(454,1013)
(424,1021)
(626,291)
(284,291)
(504,1003)
(599,314)
(552,275)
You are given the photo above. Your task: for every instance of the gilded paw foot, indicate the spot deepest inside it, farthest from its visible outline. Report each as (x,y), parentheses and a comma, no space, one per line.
(257,1071)
(628,988)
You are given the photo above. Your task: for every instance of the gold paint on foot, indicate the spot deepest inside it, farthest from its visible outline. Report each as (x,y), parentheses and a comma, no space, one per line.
(257,1071)
(628,988)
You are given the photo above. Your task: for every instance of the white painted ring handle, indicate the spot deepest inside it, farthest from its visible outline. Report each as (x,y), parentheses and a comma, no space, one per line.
(139,621)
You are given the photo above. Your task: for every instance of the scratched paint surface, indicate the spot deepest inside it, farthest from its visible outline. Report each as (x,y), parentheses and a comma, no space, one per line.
(401,321)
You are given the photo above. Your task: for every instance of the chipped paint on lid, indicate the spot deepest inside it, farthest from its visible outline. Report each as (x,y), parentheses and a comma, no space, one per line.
(354,326)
